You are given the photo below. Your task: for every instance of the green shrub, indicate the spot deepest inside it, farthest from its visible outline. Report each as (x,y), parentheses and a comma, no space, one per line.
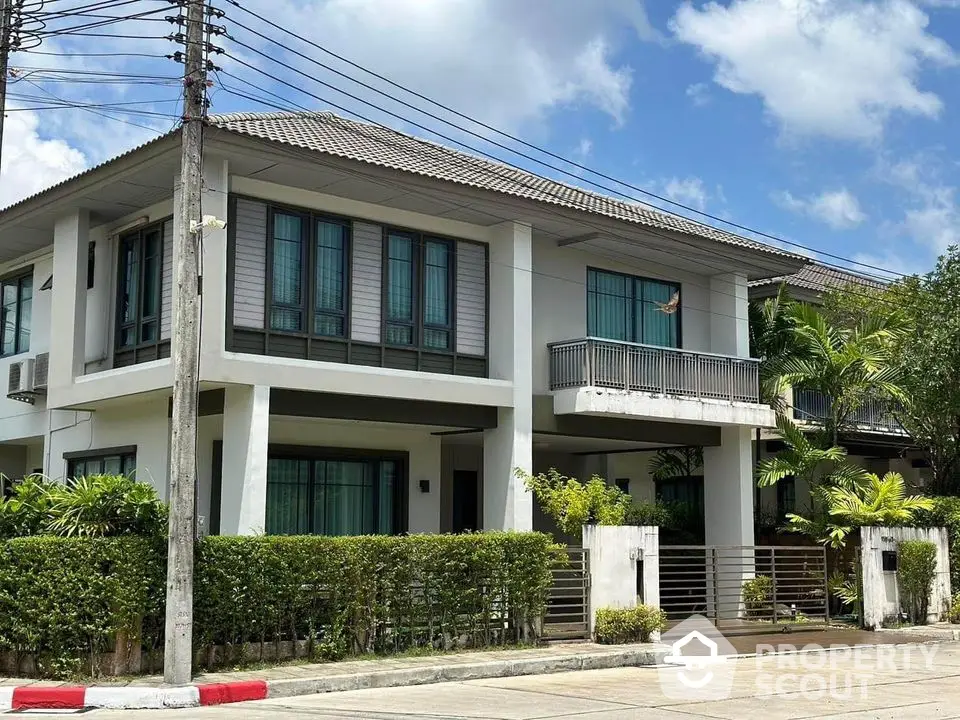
(953,614)
(376,594)
(616,626)
(946,514)
(916,569)
(757,594)
(573,504)
(63,599)
(652,514)
(94,506)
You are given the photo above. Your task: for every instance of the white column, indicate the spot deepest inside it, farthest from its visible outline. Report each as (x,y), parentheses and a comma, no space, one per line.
(506,502)
(729,319)
(214,266)
(246,430)
(728,508)
(424,501)
(68,314)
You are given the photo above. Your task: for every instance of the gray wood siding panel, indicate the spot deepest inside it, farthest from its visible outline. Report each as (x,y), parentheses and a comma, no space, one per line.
(366,282)
(471,299)
(166,282)
(250,263)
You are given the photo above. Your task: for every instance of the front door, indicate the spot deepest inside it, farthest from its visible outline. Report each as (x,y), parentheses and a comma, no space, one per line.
(465,506)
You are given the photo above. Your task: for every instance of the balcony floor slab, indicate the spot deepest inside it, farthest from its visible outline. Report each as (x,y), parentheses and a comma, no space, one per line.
(623,403)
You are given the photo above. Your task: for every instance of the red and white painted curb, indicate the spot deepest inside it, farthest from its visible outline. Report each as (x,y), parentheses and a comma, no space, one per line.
(32,697)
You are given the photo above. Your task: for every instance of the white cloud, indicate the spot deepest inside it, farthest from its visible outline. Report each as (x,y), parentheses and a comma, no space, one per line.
(32,162)
(837,68)
(837,208)
(506,63)
(932,214)
(584,148)
(699,94)
(688,191)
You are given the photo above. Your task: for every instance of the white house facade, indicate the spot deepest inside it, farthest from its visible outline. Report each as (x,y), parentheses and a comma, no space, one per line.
(389,329)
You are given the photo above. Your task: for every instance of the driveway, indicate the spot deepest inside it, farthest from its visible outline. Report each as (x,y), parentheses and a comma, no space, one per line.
(914,681)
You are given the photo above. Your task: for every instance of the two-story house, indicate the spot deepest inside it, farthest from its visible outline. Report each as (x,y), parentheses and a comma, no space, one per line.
(389,329)
(874,439)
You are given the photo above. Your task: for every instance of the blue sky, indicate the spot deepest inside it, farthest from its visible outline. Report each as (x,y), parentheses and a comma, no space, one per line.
(830,123)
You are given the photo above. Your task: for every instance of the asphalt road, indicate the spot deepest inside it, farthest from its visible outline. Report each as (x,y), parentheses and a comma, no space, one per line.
(888,682)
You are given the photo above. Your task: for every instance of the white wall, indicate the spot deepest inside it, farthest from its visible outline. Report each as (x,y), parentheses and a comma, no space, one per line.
(144,423)
(560,300)
(423,447)
(636,468)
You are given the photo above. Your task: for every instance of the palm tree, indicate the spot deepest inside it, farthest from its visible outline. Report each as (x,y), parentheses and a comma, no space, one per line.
(773,341)
(802,458)
(871,501)
(847,365)
(676,462)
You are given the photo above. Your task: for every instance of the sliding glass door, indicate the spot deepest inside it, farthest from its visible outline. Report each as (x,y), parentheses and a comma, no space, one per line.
(333,496)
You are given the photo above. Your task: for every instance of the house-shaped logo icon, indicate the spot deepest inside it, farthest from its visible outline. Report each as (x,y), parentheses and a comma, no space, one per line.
(697,661)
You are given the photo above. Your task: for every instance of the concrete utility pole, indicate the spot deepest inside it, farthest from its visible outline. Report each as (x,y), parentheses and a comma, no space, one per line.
(6,35)
(178,649)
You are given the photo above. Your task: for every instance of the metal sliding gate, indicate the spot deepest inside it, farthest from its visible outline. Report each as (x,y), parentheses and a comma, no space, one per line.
(568,605)
(745,588)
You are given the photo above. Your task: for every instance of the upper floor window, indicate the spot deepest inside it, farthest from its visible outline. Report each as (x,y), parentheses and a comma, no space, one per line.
(419,291)
(634,309)
(138,312)
(16,294)
(309,270)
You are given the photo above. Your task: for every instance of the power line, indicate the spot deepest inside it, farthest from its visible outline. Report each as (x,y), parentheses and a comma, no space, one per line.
(392,114)
(513,138)
(621,257)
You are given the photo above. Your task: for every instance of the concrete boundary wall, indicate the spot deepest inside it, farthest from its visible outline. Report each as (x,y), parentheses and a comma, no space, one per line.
(616,553)
(881,598)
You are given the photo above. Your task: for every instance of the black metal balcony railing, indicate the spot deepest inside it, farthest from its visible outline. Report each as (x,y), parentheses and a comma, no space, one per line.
(875,415)
(592,362)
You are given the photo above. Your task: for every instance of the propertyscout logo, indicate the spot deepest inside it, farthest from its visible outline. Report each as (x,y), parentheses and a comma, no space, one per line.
(702,665)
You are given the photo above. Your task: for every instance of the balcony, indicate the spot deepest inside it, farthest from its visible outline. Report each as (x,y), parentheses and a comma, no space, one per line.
(610,377)
(875,415)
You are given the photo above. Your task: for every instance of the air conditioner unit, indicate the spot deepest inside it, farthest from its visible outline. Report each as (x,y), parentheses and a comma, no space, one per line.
(20,381)
(41,366)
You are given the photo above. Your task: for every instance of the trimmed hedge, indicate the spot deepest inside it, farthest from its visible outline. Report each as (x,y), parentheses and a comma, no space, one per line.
(916,570)
(63,600)
(379,594)
(617,626)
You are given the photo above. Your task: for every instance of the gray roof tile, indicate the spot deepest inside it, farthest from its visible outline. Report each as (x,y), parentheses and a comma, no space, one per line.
(820,278)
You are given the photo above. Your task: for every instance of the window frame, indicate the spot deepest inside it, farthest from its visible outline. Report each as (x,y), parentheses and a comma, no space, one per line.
(308,272)
(419,289)
(786,489)
(675,287)
(125,451)
(120,325)
(312,454)
(17,278)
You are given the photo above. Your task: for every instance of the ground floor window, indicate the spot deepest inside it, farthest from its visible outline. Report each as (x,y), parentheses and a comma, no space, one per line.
(333,494)
(107,462)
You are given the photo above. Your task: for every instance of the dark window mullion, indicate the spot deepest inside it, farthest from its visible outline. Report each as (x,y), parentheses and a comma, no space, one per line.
(17,323)
(308,267)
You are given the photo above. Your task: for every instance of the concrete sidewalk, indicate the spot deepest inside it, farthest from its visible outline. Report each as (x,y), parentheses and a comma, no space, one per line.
(292,680)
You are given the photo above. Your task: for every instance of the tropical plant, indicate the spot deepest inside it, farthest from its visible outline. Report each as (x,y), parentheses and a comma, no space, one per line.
(845,587)
(573,504)
(757,594)
(677,462)
(928,358)
(773,341)
(872,500)
(848,365)
(802,458)
(94,506)
(105,506)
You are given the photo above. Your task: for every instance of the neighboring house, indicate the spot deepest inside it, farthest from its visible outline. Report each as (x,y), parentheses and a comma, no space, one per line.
(389,329)
(877,442)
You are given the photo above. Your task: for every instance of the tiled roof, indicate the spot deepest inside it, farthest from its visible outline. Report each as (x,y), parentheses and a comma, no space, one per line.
(820,278)
(377,145)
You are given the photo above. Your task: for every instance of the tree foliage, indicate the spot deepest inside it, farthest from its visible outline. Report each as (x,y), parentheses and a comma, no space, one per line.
(802,458)
(677,462)
(927,359)
(572,504)
(773,341)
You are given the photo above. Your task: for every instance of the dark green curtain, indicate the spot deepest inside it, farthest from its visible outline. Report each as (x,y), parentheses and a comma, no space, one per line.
(436,301)
(287,258)
(400,290)
(330,301)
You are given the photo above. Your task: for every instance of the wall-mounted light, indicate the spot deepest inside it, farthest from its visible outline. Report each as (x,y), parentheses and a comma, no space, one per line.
(424,486)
